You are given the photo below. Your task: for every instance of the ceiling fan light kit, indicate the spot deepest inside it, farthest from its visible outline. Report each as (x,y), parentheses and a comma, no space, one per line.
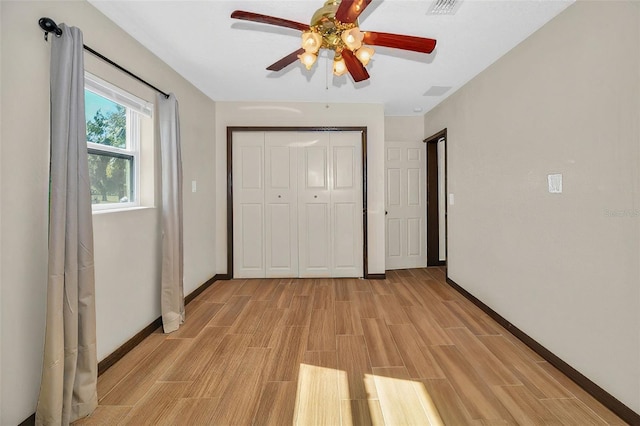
(335,27)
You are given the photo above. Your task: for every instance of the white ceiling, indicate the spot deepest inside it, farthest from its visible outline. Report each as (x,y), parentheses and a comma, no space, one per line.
(226,58)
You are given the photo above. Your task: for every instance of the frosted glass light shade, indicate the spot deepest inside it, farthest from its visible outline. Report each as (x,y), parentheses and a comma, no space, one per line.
(364,54)
(308,59)
(311,41)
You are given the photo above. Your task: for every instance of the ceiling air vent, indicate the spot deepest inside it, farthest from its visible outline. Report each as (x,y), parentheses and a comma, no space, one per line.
(444,7)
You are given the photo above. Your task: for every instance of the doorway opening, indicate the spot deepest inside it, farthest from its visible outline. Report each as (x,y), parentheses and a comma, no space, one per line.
(437,199)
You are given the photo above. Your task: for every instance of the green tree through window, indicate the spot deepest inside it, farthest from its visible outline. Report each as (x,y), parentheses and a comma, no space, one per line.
(110,174)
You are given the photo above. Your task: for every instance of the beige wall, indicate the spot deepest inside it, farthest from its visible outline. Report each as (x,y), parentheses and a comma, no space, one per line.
(564,268)
(306,114)
(404,129)
(126,243)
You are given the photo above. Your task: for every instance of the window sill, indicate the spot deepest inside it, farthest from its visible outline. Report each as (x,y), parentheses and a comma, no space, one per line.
(122,209)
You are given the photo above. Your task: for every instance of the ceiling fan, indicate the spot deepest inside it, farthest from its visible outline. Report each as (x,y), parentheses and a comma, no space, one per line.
(335,26)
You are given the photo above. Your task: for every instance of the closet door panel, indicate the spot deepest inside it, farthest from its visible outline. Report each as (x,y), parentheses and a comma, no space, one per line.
(346,204)
(281,207)
(314,205)
(248,205)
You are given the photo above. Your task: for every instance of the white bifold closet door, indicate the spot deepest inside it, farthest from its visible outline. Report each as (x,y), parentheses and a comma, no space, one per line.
(297,204)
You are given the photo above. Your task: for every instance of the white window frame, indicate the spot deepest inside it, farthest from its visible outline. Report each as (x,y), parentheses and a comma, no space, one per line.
(135,108)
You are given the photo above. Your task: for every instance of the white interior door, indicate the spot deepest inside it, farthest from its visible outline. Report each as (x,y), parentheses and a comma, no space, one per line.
(405,195)
(346,203)
(248,205)
(280,204)
(314,206)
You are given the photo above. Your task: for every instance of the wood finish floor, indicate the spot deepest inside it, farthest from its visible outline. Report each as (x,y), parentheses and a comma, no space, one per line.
(400,351)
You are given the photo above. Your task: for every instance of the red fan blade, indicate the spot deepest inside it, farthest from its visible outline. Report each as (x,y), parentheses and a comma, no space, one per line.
(355,67)
(398,41)
(287,60)
(349,10)
(271,20)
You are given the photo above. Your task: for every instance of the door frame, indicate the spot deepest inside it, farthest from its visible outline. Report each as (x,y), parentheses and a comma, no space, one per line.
(433,225)
(232,129)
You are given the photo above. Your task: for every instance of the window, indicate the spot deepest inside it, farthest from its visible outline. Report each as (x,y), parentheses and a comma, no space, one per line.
(113,141)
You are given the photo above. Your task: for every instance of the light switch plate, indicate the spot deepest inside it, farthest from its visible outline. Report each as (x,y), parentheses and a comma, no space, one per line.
(451,199)
(555,183)
(193,186)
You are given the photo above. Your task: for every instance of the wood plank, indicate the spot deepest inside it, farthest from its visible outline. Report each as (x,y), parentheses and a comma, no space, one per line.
(299,314)
(602,411)
(357,285)
(249,319)
(429,331)
(530,374)
(190,364)
(404,294)
(192,411)
(277,404)
(524,406)
(322,331)
(380,287)
(474,319)
(341,290)
(353,358)
(381,346)
(355,412)
(485,362)
(449,405)
(419,364)
(270,320)
(241,393)
(249,287)
(366,305)
(143,375)
(209,383)
(317,396)
(289,344)
(124,366)
(220,291)
(304,287)
(104,415)
(402,400)
(265,289)
(196,319)
(347,319)
(572,412)
(157,404)
(283,294)
(476,396)
(230,311)
(390,309)
(323,297)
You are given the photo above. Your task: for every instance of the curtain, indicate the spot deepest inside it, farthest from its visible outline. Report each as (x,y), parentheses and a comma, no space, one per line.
(70,366)
(172,292)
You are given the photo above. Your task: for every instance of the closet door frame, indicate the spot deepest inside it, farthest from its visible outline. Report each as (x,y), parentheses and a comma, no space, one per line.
(232,129)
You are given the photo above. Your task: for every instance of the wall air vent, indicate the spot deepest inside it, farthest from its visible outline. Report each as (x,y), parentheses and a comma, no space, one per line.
(444,7)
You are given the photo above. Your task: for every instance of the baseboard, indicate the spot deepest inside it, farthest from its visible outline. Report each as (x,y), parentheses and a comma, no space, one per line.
(29,421)
(604,397)
(195,293)
(376,276)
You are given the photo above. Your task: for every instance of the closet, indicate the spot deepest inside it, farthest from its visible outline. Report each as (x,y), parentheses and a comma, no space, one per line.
(297,204)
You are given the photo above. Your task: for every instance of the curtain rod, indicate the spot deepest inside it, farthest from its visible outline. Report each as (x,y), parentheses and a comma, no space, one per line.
(48,25)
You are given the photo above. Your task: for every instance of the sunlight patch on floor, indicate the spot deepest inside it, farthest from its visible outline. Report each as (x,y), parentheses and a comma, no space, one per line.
(322,398)
(405,402)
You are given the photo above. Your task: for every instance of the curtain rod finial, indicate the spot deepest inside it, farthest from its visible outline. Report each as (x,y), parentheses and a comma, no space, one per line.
(48,25)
